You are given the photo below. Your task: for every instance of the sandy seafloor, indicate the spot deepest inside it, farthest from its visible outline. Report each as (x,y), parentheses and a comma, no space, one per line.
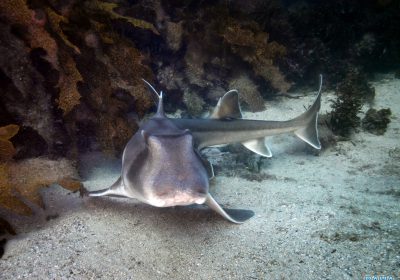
(332,216)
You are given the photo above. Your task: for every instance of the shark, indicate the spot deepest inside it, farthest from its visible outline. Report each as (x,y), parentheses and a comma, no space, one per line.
(162,165)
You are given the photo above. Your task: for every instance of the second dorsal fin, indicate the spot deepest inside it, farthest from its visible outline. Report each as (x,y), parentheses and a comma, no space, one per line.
(228,106)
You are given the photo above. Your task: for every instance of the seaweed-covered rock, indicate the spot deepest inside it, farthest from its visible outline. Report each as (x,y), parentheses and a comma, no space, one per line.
(7,150)
(174,33)
(24,96)
(248,91)
(195,59)
(194,103)
(237,161)
(352,93)
(21,181)
(64,68)
(253,46)
(375,121)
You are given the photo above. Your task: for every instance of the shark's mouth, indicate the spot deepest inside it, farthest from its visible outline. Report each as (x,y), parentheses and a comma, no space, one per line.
(177,199)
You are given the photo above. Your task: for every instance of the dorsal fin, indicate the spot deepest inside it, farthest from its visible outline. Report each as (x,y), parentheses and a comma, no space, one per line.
(228,106)
(160,107)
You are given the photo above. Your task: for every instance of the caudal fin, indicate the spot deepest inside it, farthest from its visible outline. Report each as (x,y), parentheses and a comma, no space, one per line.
(309,132)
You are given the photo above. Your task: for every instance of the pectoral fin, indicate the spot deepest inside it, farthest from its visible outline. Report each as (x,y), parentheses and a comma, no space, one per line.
(208,166)
(240,215)
(116,189)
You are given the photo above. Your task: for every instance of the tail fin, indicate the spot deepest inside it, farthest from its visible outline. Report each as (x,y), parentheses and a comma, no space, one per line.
(309,132)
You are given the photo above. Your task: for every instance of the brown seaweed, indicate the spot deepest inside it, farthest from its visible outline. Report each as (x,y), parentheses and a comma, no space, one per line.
(22,180)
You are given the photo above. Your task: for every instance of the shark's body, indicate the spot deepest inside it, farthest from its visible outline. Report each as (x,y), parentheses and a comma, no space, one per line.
(161,165)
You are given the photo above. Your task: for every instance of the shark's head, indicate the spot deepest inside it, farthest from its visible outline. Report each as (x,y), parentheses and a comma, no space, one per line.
(178,175)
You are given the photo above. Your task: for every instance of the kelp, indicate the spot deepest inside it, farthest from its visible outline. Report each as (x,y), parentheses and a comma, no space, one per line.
(55,21)
(18,13)
(110,8)
(7,150)
(112,72)
(69,95)
(8,197)
(252,45)
(21,181)
(248,92)
(222,49)
(94,64)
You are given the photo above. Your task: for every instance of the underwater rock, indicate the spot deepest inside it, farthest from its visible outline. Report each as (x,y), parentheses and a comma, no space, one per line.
(24,96)
(170,78)
(216,92)
(366,45)
(251,44)
(174,32)
(92,40)
(375,121)
(194,103)
(21,181)
(89,67)
(248,91)
(29,143)
(195,58)
(355,84)
(31,24)
(7,150)
(111,90)
(69,96)
(114,11)
(235,161)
